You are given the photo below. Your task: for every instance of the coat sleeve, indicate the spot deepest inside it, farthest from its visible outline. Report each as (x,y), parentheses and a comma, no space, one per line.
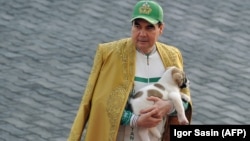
(85,105)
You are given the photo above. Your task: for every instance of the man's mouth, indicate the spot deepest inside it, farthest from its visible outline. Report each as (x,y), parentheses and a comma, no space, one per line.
(144,41)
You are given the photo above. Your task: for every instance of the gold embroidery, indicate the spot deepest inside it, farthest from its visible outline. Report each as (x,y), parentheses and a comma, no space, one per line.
(119,96)
(145,9)
(114,102)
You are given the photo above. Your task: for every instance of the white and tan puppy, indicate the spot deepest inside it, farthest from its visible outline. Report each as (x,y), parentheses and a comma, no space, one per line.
(167,88)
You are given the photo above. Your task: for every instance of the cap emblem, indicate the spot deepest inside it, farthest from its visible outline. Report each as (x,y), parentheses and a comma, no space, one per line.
(145,9)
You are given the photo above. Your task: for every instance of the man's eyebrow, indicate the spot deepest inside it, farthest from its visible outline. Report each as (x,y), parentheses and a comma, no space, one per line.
(136,23)
(151,25)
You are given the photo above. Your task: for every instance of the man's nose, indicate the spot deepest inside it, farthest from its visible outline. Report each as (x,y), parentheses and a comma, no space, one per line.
(142,32)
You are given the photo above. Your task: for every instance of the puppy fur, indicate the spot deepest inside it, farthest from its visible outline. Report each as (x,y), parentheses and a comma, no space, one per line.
(167,88)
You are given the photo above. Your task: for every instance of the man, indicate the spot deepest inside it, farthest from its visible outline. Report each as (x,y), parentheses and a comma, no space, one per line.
(121,68)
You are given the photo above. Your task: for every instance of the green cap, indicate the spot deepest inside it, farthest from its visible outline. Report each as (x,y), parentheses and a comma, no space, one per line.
(148,10)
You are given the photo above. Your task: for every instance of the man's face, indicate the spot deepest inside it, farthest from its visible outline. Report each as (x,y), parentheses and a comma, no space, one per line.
(145,34)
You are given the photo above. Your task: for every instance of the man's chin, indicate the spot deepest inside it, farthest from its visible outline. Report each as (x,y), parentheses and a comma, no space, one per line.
(142,44)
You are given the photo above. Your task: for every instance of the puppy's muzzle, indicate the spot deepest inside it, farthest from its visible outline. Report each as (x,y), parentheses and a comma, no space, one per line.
(185,83)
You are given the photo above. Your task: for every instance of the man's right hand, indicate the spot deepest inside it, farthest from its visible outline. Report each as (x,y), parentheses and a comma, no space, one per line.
(148,119)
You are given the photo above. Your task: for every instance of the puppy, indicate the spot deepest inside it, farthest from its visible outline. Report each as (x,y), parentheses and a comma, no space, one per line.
(167,88)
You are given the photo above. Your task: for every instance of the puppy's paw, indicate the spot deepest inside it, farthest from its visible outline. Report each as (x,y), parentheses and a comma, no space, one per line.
(183,120)
(185,97)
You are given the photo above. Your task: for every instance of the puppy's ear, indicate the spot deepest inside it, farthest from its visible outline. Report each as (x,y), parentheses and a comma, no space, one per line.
(178,76)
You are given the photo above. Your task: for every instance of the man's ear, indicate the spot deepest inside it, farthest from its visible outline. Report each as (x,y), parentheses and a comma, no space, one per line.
(162,26)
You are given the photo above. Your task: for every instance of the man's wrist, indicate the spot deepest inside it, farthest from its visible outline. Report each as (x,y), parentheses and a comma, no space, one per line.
(133,120)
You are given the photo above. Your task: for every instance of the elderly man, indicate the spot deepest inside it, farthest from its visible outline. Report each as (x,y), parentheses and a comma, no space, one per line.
(121,68)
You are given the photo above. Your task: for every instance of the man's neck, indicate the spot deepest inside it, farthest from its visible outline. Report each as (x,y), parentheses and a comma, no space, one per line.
(147,51)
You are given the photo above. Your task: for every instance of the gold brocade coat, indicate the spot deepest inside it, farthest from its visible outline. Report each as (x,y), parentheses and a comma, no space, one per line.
(108,88)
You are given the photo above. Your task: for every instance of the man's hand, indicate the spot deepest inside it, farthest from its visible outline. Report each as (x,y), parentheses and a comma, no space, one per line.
(152,116)
(148,118)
